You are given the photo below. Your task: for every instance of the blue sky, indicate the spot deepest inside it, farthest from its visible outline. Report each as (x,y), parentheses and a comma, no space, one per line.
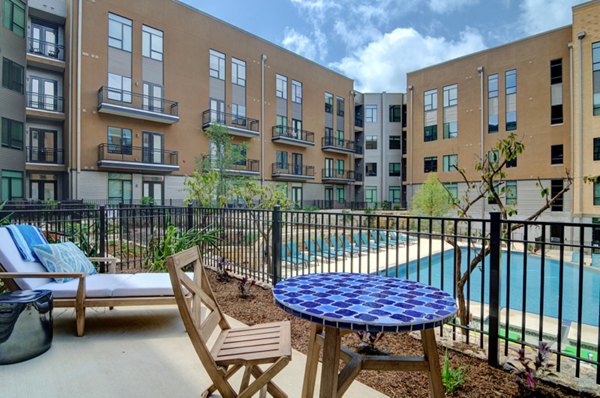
(376,42)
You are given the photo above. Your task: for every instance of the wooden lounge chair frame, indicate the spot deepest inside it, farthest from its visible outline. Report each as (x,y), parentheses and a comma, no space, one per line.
(80,302)
(233,349)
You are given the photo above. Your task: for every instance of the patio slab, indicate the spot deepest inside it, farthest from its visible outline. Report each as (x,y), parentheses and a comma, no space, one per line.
(128,352)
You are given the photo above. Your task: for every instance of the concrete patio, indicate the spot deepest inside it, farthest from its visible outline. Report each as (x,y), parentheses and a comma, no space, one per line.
(128,352)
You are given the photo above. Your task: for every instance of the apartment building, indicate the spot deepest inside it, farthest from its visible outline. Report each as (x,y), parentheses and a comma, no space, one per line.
(380,130)
(118,94)
(544,88)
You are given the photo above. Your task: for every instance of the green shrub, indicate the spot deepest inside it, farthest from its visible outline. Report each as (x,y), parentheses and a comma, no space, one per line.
(451,378)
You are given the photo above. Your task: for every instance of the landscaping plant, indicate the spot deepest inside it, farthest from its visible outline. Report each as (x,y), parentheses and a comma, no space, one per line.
(245,285)
(451,378)
(528,372)
(367,343)
(222,274)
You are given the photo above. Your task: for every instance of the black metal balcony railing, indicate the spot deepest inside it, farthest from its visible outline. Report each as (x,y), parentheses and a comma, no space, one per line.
(294,134)
(336,174)
(358,149)
(358,122)
(338,143)
(44,155)
(135,154)
(211,116)
(46,49)
(45,102)
(248,165)
(140,102)
(293,169)
(358,176)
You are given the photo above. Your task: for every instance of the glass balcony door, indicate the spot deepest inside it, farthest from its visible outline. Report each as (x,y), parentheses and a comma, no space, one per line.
(43,145)
(42,93)
(152,100)
(297,163)
(152,147)
(217,111)
(44,39)
(154,190)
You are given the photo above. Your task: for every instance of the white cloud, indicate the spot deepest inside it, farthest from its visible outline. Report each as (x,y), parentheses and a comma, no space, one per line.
(542,15)
(382,64)
(299,43)
(444,6)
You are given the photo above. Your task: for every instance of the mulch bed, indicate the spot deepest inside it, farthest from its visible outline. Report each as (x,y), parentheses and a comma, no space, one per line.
(481,379)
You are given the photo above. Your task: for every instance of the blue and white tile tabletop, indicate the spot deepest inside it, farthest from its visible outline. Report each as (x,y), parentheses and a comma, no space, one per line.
(364,302)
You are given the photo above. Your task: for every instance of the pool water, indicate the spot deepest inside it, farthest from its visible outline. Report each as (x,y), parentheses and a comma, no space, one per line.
(420,270)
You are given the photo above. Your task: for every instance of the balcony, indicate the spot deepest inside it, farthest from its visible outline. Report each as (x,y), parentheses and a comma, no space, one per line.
(333,144)
(246,167)
(44,155)
(291,136)
(111,156)
(358,176)
(337,176)
(289,171)
(358,149)
(47,107)
(45,54)
(124,103)
(240,126)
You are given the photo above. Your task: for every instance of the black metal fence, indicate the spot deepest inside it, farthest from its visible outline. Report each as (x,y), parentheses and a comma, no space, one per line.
(522,282)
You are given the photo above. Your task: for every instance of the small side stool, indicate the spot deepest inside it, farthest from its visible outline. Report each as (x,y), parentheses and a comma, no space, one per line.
(25,324)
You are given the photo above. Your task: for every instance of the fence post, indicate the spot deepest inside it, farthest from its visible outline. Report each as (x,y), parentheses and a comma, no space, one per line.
(102,235)
(190,217)
(495,227)
(276,243)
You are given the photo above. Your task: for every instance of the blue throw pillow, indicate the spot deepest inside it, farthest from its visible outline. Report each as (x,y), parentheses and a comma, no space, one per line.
(63,257)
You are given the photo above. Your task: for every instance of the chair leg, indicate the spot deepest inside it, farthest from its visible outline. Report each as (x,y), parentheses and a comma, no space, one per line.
(264,378)
(270,387)
(230,371)
(312,361)
(246,377)
(80,320)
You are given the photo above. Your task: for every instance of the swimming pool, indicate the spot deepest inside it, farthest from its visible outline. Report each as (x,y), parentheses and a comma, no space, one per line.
(591,283)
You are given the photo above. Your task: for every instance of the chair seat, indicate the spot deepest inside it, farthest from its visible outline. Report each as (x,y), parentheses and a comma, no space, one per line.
(257,344)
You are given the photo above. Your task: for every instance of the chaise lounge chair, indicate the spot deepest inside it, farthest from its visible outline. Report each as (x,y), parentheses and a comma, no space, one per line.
(96,290)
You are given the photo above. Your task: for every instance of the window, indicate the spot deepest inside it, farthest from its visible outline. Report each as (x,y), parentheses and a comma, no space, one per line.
(119,188)
(450,111)
(328,167)
(511,193)
(119,32)
(238,72)
(238,114)
(12,134)
(152,43)
(395,113)
(511,163)
(340,106)
(370,113)
(394,194)
(450,162)
(395,142)
(328,103)
(493,156)
(13,75)
(340,166)
(451,95)
(556,87)
(281,86)
(430,164)
(597,148)
(511,99)
(430,112)
(430,133)
(371,142)
(341,194)
(297,128)
(555,187)
(119,88)
(14,16)
(371,169)
(370,194)
(216,64)
(339,138)
(452,189)
(119,140)
(493,103)
(12,185)
(394,170)
(282,121)
(556,154)
(282,159)
(296,92)
(597,193)
(596,76)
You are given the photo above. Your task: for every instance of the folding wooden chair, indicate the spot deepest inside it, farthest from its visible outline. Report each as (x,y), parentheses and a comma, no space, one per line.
(246,347)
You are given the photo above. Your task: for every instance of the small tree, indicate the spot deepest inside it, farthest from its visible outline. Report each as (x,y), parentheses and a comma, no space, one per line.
(432,199)
(491,186)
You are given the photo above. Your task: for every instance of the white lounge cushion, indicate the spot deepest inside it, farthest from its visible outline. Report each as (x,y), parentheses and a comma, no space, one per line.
(97,285)
(144,284)
(13,262)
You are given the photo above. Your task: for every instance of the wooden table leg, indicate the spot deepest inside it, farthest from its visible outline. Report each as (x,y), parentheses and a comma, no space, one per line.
(436,389)
(331,363)
(312,360)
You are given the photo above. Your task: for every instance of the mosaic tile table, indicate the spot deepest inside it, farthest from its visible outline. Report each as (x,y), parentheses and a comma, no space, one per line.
(339,303)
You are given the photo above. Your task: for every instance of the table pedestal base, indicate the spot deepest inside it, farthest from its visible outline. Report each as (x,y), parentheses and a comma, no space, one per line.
(334,384)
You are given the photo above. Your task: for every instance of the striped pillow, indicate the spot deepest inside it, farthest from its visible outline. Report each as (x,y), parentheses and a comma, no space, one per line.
(63,257)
